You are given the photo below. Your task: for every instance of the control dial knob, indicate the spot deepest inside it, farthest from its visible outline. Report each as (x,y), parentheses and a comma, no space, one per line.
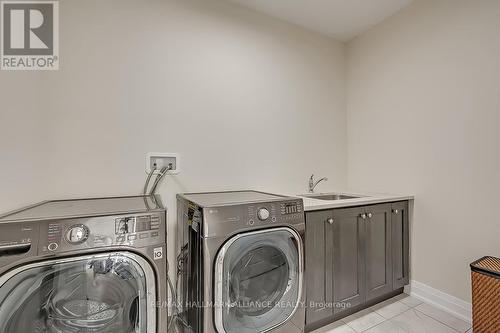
(263,214)
(77,234)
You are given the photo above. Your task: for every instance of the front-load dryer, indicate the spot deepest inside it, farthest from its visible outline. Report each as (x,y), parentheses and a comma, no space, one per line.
(240,263)
(91,265)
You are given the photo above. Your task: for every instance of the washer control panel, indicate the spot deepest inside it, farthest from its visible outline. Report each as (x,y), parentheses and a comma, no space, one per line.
(136,230)
(275,212)
(225,220)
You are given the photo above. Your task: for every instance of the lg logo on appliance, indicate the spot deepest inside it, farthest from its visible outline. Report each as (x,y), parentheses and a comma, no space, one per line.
(158,253)
(30,35)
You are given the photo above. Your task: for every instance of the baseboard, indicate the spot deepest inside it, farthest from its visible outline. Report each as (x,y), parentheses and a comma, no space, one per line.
(441,300)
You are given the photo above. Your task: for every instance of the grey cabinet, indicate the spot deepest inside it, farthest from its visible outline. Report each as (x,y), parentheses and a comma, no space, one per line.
(348,258)
(354,256)
(319,266)
(378,251)
(400,244)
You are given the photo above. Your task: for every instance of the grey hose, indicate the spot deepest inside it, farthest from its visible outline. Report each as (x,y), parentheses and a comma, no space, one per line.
(150,174)
(159,177)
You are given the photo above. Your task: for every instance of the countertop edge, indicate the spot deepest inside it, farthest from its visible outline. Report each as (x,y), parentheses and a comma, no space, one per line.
(317,204)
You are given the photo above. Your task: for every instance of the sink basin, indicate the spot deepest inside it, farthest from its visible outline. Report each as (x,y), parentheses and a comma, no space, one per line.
(331,196)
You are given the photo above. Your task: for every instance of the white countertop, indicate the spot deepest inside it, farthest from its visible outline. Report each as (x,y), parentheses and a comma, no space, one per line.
(311,204)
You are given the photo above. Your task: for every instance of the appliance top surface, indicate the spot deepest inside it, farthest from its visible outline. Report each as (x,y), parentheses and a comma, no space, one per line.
(76,208)
(212,199)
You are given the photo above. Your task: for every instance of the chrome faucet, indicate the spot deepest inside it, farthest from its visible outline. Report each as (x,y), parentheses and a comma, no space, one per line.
(313,184)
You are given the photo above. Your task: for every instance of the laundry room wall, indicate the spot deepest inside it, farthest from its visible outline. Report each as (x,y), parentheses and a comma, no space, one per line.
(245,100)
(24,150)
(423,115)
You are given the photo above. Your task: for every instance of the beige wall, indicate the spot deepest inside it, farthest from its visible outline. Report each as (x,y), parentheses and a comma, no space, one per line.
(23,139)
(423,118)
(247,102)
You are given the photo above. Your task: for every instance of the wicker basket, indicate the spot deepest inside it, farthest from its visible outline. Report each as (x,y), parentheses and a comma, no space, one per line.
(486,295)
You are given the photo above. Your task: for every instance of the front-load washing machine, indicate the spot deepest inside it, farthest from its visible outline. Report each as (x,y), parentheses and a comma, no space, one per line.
(91,265)
(240,262)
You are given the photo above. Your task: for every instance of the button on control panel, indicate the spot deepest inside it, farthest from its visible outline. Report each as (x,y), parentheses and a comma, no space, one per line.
(155,222)
(54,233)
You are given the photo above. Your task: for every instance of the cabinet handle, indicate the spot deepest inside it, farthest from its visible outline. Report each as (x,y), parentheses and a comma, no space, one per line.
(330,220)
(370,215)
(395,211)
(363,216)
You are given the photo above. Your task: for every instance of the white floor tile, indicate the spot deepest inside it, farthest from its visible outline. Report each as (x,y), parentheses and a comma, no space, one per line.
(390,308)
(401,314)
(336,327)
(363,320)
(386,327)
(408,300)
(414,321)
(444,317)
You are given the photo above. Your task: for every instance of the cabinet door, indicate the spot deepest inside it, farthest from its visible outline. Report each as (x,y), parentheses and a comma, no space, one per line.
(378,252)
(400,244)
(348,262)
(319,266)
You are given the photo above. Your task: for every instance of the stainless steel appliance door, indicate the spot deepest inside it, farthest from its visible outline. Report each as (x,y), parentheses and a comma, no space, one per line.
(258,280)
(102,293)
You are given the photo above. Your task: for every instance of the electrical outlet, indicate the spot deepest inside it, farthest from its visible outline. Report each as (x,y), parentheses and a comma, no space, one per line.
(161,160)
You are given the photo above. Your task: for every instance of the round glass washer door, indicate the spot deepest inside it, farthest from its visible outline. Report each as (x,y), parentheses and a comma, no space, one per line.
(102,293)
(258,280)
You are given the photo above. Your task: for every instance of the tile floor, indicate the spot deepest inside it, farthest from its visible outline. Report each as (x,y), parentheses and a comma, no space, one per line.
(401,314)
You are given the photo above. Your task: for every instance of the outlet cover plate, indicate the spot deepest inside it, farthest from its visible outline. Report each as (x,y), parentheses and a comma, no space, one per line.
(163,159)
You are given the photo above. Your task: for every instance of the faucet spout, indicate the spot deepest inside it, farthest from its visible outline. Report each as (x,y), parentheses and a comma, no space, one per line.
(313,184)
